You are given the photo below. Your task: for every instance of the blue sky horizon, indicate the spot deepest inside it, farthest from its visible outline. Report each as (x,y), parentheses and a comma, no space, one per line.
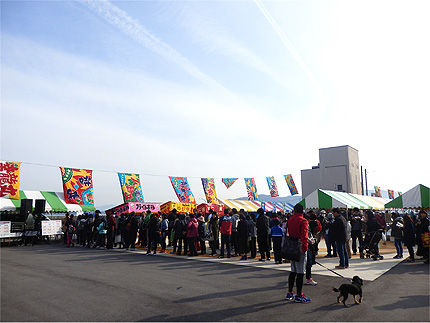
(213,89)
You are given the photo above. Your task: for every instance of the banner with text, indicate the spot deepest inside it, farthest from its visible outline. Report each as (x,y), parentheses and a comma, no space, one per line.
(209,189)
(9,179)
(182,189)
(130,186)
(77,186)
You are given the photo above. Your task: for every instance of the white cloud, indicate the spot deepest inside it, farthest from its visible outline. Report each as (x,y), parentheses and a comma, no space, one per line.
(70,108)
(132,28)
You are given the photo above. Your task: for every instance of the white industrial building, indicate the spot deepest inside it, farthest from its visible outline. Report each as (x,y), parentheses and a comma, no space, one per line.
(338,170)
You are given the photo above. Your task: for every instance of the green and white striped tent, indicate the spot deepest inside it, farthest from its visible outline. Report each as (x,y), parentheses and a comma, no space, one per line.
(417,197)
(54,202)
(323,199)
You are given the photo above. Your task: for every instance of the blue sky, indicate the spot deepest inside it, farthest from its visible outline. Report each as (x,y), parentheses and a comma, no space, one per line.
(213,89)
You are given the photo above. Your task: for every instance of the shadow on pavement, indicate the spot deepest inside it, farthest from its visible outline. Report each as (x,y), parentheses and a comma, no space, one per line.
(406,302)
(218,315)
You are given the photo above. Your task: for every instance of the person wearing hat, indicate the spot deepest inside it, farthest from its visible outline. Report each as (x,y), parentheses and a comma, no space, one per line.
(202,234)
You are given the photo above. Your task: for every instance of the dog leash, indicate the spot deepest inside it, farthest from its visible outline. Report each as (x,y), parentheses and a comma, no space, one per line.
(331,270)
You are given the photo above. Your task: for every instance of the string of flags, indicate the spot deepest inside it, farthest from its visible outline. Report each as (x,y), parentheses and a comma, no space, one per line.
(78,185)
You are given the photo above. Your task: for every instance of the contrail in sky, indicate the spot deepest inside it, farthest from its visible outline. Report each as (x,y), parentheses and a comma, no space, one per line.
(132,28)
(289,45)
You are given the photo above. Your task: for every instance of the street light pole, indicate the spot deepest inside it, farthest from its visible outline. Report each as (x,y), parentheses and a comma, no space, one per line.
(365,176)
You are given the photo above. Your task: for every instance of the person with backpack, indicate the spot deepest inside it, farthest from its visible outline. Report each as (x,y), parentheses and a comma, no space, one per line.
(225,224)
(263,232)
(313,231)
(298,228)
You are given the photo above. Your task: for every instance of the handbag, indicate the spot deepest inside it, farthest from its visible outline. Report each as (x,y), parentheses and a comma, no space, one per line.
(291,248)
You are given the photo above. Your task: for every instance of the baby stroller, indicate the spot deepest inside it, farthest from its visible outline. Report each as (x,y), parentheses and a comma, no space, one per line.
(370,248)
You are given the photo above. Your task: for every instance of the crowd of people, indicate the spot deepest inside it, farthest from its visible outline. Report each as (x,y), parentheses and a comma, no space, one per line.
(238,233)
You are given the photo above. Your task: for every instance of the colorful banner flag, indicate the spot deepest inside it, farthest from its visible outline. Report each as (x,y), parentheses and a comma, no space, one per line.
(391,194)
(77,186)
(378,191)
(251,189)
(209,188)
(130,186)
(272,186)
(9,179)
(182,189)
(229,181)
(400,193)
(291,185)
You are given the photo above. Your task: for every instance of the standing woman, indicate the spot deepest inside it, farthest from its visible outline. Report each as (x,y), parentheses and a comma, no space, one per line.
(243,235)
(214,230)
(409,236)
(192,234)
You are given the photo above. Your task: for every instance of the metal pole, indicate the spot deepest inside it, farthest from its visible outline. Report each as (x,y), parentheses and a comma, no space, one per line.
(362,183)
(365,176)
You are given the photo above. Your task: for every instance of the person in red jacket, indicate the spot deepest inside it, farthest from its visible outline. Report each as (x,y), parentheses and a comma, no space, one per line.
(298,227)
(225,224)
(192,234)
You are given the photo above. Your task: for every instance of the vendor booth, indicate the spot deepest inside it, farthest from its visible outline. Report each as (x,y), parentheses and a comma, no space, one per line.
(253,206)
(136,207)
(204,208)
(54,202)
(180,207)
(417,197)
(323,199)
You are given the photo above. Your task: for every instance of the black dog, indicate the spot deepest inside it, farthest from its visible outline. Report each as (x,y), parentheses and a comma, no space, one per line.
(354,289)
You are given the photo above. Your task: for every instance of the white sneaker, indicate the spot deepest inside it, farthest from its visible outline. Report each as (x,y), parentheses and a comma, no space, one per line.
(311,282)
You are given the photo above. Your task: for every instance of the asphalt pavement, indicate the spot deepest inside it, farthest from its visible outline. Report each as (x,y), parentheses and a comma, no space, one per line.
(54,283)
